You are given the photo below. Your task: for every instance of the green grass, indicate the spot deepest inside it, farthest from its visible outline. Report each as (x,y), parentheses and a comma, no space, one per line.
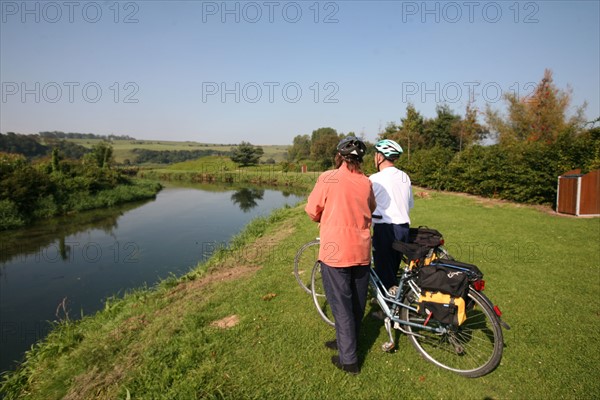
(543,270)
(215,169)
(207,164)
(122,149)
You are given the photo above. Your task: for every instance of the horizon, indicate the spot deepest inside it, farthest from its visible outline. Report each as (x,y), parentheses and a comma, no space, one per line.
(265,72)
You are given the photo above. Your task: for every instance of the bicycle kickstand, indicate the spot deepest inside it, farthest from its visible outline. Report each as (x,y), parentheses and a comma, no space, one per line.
(388,346)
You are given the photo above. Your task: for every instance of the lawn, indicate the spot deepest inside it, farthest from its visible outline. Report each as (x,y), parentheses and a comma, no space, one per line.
(240,326)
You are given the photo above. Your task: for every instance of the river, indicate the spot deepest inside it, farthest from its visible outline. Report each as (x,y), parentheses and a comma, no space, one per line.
(69,265)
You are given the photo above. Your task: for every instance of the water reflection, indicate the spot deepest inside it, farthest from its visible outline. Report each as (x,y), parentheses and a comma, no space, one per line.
(16,244)
(246,198)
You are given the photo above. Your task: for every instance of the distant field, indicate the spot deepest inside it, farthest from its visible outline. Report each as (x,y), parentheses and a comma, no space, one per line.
(123,148)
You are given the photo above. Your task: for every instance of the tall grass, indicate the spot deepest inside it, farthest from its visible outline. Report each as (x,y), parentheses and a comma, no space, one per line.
(137,190)
(541,269)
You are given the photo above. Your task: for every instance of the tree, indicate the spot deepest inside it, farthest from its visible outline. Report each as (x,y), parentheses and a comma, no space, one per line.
(324,145)
(541,116)
(55,160)
(390,132)
(246,154)
(443,130)
(101,155)
(300,149)
(411,131)
(469,130)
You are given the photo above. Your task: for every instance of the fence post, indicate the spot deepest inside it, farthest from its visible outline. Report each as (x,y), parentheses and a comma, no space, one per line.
(577,204)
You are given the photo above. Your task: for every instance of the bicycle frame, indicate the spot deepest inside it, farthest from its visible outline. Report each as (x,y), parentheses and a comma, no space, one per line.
(385,299)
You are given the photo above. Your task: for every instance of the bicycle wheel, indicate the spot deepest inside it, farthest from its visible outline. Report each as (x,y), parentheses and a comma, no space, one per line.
(304,262)
(318,295)
(473,349)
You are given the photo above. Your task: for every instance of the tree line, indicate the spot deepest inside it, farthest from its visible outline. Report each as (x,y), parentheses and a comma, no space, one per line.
(527,148)
(75,135)
(30,146)
(171,156)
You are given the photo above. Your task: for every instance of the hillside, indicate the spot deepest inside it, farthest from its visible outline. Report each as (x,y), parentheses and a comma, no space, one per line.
(123,149)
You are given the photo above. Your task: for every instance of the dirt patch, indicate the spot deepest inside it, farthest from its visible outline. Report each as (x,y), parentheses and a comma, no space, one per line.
(221,276)
(97,384)
(239,263)
(227,322)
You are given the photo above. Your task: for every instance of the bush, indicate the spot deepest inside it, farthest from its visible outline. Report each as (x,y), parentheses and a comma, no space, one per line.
(524,172)
(9,215)
(45,207)
(53,187)
(428,168)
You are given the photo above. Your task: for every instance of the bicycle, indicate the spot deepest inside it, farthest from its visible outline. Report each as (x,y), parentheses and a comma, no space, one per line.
(472,349)
(305,260)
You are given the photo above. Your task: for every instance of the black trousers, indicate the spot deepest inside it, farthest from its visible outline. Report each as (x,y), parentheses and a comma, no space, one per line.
(387,260)
(346,291)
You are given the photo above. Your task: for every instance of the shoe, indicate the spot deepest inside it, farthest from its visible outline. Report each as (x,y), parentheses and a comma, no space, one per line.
(331,344)
(392,291)
(350,368)
(378,315)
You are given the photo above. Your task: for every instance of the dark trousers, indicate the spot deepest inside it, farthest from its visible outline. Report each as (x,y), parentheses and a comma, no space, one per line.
(346,291)
(387,260)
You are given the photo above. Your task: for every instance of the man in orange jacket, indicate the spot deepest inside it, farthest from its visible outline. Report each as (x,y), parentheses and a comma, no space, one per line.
(343,201)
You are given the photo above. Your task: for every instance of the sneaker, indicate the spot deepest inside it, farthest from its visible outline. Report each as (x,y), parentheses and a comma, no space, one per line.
(331,344)
(350,368)
(393,290)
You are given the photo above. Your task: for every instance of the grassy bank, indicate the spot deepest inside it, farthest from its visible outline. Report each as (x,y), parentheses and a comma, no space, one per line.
(240,327)
(81,200)
(214,169)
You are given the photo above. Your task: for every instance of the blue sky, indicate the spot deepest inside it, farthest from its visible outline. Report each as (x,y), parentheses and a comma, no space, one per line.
(266,71)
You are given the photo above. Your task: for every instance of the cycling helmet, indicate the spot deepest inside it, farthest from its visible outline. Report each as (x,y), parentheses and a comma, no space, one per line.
(390,149)
(351,147)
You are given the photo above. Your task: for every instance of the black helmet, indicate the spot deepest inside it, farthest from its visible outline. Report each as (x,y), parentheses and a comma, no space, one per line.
(352,148)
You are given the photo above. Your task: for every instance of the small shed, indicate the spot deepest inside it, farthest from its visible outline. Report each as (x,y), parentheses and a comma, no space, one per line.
(579,194)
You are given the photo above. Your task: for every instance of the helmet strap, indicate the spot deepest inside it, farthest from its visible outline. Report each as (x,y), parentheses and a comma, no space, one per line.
(380,162)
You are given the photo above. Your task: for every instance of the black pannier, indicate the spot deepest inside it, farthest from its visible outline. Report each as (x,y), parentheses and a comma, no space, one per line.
(425,237)
(438,278)
(412,251)
(473,273)
(420,241)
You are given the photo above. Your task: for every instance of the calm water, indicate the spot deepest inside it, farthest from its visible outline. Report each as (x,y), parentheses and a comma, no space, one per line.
(80,261)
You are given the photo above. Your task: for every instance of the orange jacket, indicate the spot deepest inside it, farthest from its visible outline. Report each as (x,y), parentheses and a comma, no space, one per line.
(342,201)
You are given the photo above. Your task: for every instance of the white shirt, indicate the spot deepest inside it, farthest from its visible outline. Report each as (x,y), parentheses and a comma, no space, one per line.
(393,194)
